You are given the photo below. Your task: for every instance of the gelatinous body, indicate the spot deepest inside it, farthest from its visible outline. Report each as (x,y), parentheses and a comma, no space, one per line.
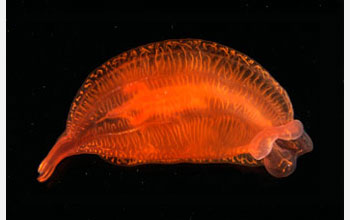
(182,101)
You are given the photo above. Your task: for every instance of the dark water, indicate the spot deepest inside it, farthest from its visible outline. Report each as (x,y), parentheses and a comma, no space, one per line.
(51,48)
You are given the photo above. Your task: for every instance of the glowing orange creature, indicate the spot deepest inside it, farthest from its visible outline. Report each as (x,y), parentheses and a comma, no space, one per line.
(182,101)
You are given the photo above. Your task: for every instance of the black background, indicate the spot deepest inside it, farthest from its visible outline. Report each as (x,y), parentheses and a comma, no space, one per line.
(51,49)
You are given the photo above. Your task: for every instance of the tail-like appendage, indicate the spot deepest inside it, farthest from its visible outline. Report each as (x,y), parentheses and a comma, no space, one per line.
(63,148)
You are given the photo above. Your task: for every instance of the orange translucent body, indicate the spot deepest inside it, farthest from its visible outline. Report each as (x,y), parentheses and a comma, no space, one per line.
(182,101)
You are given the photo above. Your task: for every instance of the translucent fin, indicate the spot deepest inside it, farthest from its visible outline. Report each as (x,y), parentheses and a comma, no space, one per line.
(301,146)
(262,143)
(280,162)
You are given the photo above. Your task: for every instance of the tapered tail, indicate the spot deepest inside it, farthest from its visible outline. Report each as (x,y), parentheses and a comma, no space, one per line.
(63,148)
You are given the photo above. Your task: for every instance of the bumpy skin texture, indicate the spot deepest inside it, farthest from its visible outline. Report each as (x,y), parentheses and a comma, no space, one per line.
(177,101)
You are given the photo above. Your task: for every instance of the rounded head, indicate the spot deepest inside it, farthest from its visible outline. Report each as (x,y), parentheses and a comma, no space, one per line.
(279,147)
(282,160)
